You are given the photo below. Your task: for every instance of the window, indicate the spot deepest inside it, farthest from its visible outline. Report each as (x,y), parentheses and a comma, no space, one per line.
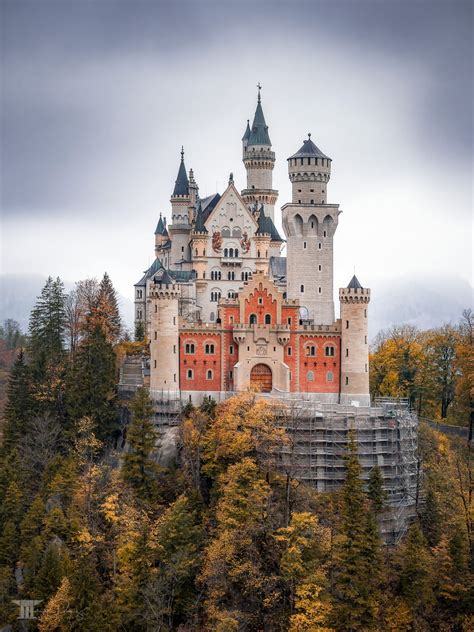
(212,317)
(231,349)
(156,308)
(347,324)
(319,290)
(155,364)
(310,376)
(366,368)
(329,351)
(365,313)
(209,375)
(253,319)
(304,245)
(156,335)
(174,348)
(311,351)
(288,320)
(320,245)
(139,293)
(312,201)
(288,351)
(319,268)
(258,254)
(174,320)
(325,234)
(139,314)
(196,252)
(189,347)
(189,374)
(268,319)
(347,381)
(209,348)
(329,376)
(231,375)
(301,288)
(347,353)
(260,300)
(365,340)
(226,252)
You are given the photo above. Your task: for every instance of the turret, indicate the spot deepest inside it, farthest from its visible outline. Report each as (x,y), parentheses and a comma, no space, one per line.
(354,301)
(200,236)
(163,302)
(259,161)
(193,189)
(309,224)
(180,227)
(161,234)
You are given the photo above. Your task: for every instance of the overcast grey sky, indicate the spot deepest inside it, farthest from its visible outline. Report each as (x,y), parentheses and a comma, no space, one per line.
(98,97)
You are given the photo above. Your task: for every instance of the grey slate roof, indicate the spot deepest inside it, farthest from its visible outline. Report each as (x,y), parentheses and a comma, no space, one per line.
(278,267)
(199,226)
(181,186)
(309,150)
(266,226)
(160,227)
(259,133)
(354,284)
(247,131)
(155,266)
(163,278)
(208,204)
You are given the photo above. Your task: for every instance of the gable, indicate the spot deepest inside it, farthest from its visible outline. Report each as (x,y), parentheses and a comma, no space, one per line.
(230,216)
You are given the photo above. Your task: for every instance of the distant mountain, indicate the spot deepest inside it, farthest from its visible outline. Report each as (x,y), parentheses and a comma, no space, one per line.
(419,302)
(18,295)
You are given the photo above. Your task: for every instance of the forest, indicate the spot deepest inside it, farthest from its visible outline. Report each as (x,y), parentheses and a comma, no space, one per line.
(218,539)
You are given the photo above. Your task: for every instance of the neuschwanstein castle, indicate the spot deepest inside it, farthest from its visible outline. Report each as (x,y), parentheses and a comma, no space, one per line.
(224,310)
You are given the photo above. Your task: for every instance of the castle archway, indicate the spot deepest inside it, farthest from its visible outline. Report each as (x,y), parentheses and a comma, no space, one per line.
(261,377)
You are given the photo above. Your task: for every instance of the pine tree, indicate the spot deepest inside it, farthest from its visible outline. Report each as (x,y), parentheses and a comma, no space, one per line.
(357,567)
(20,404)
(416,571)
(50,572)
(106,313)
(138,468)
(91,390)
(139,331)
(375,490)
(47,326)
(431,518)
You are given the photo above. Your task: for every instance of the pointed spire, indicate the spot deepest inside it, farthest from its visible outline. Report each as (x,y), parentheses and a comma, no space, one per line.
(259,133)
(181,186)
(246,136)
(199,226)
(354,284)
(231,178)
(160,227)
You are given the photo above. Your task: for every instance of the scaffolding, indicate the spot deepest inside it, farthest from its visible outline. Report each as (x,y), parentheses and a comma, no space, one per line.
(386,436)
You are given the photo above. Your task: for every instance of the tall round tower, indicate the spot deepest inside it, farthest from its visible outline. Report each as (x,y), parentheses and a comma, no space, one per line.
(309,224)
(354,300)
(180,228)
(163,310)
(259,161)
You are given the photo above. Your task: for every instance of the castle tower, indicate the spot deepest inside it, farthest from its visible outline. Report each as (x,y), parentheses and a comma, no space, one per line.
(180,227)
(309,224)
(259,160)
(160,233)
(163,302)
(193,190)
(354,302)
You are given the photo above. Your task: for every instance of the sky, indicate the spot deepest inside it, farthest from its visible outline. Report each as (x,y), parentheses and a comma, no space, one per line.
(97,98)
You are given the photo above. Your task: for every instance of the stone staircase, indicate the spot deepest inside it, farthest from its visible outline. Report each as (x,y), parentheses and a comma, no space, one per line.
(131,374)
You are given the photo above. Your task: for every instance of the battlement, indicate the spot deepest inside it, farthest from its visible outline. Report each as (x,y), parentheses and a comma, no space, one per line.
(354,295)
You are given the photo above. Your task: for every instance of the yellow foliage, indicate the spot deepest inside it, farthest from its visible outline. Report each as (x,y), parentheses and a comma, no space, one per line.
(312,611)
(56,609)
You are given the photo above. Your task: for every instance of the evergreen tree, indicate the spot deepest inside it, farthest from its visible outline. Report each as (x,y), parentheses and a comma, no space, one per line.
(20,403)
(92,381)
(139,331)
(47,326)
(106,313)
(357,555)
(431,518)
(139,470)
(416,571)
(375,490)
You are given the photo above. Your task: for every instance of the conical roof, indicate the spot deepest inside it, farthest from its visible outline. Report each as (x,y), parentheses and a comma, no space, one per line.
(267,227)
(259,132)
(160,227)
(309,150)
(247,132)
(181,186)
(354,284)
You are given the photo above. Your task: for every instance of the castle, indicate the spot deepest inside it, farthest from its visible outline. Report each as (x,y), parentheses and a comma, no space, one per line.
(224,310)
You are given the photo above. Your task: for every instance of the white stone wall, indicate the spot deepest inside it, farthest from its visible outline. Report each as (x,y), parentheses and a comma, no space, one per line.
(354,345)
(164,338)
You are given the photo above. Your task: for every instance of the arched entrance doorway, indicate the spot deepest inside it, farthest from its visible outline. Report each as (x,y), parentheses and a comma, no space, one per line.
(261,377)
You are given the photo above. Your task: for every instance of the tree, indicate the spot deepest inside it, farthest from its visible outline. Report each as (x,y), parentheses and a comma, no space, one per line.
(91,389)
(10,332)
(441,351)
(357,568)
(47,326)
(139,331)
(106,312)
(139,469)
(20,404)
(375,490)
(415,573)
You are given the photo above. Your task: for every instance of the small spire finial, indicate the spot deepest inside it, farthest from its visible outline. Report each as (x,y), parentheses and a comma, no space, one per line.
(182,152)
(231,178)
(259,86)
(309,135)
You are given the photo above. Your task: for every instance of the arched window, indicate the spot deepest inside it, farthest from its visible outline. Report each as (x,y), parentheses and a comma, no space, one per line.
(212,317)
(209,374)
(209,348)
(226,252)
(189,374)
(225,232)
(330,376)
(236,232)
(189,347)
(268,319)
(236,252)
(311,351)
(310,376)
(329,351)
(253,319)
